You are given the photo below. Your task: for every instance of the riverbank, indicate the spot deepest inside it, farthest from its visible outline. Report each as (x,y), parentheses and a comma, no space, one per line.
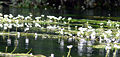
(60,4)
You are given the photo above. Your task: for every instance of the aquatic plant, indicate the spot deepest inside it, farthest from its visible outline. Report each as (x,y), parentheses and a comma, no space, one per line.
(69,47)
(85,32)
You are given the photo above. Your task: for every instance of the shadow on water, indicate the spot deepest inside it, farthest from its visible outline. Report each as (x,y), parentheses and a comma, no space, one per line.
(63,12)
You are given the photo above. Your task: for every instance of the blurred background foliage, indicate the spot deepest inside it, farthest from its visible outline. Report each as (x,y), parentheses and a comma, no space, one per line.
(69,4)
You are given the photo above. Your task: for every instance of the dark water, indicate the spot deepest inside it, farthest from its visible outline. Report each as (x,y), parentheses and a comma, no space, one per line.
(55,12)
(47,46)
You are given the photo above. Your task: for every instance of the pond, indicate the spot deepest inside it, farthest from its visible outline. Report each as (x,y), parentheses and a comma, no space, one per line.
(47,46)
(45,36)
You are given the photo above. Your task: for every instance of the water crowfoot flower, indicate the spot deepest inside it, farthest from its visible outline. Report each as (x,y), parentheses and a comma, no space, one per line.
(26,29)
(108,47)
(52,55)
(10,16)
(37,18)
(69,46)
(116,46)
(69,18)
(1,14)
(42,15)
(6,16)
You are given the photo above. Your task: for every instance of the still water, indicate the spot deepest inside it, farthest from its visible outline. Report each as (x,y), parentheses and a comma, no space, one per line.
(48,46)
(64,12)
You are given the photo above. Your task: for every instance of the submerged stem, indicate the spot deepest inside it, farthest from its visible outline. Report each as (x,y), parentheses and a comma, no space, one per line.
(29,51)
(6,48)
(69,52)
(107,53)
(114,54)
(14,48)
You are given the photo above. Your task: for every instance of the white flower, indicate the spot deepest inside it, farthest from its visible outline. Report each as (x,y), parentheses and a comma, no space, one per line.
(65,22)
(31,15)
(52,55)
(17,21)
(116,46)
(1,25)
(28,17)
(37,18)
(20,16)
(108,22)
(63,18)
(108,46)
(37,25)
(5,16)
(14,18)
(31,54)
(1,17)
(117,34)
(9,20)
(42,15)
(61,32)
(70,34)
(69,18)
(117,25)
(1,14)
(59,18)
(69,46)
(78,33)
(35,34)
(10,26)
(89,27)
(10,16)
(26,29)
(50,17)
(5,28)
(108,31)
(50,21)
(101,23)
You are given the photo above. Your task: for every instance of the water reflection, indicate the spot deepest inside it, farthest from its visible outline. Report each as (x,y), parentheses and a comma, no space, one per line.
(8,41)
(16,42)
(62,43)
(80,49)
(101,52)
(89,49)
(58,47)
(70,40)
(36,36)
(26,43)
